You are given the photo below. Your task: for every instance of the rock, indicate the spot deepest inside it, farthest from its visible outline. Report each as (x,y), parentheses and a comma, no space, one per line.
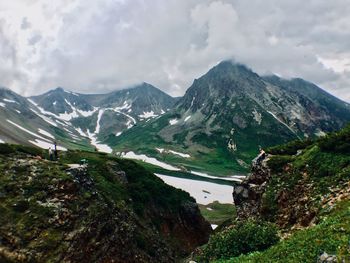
(248,194)
(324,256)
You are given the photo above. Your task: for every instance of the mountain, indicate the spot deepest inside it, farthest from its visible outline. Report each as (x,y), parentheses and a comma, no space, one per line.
(227,113)
(108,210)
(303,188)
(216,127)
(77,121)
(65,104)
(96,116)
(23,122)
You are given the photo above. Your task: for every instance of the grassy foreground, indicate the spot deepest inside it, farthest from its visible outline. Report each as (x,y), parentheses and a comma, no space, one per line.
(332,236)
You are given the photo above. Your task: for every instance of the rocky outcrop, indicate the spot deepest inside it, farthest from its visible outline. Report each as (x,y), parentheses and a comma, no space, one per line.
(248,194)
(291,205)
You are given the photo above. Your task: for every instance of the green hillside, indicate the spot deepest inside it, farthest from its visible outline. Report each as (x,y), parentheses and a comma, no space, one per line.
(61,211)
(303,189)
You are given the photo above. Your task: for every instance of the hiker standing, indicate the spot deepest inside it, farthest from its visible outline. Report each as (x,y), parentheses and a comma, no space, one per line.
(50,154)
(55,151)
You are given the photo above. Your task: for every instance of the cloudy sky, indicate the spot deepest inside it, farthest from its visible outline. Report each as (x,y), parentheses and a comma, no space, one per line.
(94,46)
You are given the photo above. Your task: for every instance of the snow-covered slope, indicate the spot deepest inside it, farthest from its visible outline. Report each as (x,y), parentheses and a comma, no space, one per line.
(77,120)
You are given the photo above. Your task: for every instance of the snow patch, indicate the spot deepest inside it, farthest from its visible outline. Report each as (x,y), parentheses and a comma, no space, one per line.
(11,101)
(184,155)
(46,145)
(149,114)
(62,123)
(187,118)
(1,141)
(118,134)
(79,130)
(93,136)
(66,116)
(18,111)
(41,109)
(213,226)
(47,119)
(87,113)
(161,150)
(145,158)
(233,178)
(173,121)
(2,105)
(70,92)
(125,106)
(320,133)
(101,147)
(231,145)
(192,101)
(27,131)
(43,132)
(99,116)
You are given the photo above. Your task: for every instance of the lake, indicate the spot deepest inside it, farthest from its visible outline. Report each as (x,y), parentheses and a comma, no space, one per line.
(204,192)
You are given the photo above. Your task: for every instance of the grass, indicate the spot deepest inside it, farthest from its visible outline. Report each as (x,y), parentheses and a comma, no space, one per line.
(218,213)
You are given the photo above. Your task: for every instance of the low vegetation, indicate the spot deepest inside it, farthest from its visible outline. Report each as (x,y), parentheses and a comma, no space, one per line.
(242,238)
(217,213)
(331,235)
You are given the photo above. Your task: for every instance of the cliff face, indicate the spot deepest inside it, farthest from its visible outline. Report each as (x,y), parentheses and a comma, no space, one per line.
(297,181)
(111,210)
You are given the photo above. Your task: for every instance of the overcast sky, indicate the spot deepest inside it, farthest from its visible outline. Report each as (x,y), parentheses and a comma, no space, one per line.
(94,46)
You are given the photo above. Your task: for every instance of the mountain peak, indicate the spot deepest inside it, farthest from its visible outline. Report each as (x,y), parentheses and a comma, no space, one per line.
(59,89)
(231,65)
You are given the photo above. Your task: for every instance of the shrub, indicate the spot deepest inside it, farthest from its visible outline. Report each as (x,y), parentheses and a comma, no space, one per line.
(29,150)
(244,238)
(338,142)
(290,148)
(277,163)
(6,149)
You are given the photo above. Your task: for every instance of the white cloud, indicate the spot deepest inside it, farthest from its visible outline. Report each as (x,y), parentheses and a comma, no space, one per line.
(96,46)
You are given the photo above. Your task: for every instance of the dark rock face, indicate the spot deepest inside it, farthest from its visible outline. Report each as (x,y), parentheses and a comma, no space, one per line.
(187,229)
